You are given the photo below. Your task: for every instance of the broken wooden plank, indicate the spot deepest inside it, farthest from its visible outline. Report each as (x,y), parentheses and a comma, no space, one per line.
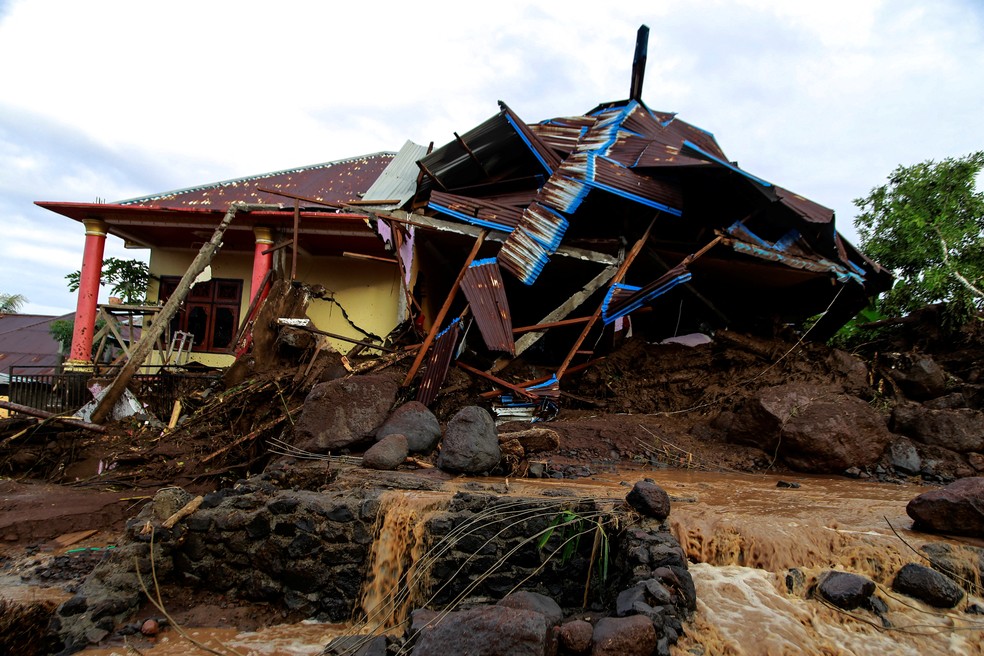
(67,540)
(495,379)
(150,335)
(51,416)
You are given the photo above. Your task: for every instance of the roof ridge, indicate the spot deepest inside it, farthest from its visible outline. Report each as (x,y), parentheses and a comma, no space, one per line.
(248,178)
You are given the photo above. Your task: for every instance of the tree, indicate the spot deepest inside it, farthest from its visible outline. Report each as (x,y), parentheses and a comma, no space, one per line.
(11,303)
(927,226)
(129,279)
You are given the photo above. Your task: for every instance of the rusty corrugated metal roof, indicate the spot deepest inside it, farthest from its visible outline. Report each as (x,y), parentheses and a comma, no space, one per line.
(332,182)
(442,351)
(484,288)
(26,341)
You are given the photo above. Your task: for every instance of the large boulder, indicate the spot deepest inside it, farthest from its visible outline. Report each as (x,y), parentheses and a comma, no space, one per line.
(471,443)
(343,412)
(387,454)
(957,508)
(527,600)
(488,631)
(844,589)
(812,428)
(624,636)
(417,423)
(902,455)
(928,585)
(960,429)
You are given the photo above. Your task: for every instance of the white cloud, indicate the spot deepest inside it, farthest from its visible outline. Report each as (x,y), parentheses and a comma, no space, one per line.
(116,99)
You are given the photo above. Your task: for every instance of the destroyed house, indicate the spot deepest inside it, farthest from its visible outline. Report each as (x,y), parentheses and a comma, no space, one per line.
(546,240)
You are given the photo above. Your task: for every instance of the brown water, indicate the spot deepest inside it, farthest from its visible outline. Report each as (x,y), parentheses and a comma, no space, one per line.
(742,535)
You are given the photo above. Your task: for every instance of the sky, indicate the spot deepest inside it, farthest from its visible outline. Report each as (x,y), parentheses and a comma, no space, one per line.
(115,99)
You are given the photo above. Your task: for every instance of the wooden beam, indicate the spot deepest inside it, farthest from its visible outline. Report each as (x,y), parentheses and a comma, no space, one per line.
(149,336)
(495,379)
(436,325)
(51,416)
(597,313)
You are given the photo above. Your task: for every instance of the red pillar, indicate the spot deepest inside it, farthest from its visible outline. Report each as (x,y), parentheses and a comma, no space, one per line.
(261,263)
(85,312)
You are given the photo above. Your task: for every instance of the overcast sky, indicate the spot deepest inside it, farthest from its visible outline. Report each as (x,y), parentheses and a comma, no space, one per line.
(117,99)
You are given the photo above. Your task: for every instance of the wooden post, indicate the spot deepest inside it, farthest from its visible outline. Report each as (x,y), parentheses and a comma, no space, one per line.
(150,335)
(436,325)
(597,313)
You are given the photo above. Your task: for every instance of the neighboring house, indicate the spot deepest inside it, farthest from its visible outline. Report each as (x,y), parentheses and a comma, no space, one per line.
(335,249)
(27,348)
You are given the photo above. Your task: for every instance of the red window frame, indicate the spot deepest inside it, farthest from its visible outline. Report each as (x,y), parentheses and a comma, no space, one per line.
(210,312)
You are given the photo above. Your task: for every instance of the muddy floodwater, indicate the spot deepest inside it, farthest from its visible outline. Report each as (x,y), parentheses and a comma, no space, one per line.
(746,540)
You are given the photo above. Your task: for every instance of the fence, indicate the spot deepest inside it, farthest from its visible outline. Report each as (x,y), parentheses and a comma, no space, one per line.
(64,393)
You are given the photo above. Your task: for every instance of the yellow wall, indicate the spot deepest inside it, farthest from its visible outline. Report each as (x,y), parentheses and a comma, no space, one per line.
(368,290)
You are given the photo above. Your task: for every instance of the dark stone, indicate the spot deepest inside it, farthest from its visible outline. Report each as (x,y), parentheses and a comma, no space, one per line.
(417,423)
(964,564)
(488,631)
(74,606)
(471,443)
(928,585)
(795,581)
(845,590)
(920,377)
(387,454)
(283,505)
(649,499)
(960,430)
(623,636)
(258,527)
(526,600)
(356,645)
(575,636)
(958,508)
(343,412)
(787,484)
(812,428)
(902,456)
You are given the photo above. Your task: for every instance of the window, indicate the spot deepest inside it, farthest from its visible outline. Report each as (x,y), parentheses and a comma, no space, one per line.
(210,312)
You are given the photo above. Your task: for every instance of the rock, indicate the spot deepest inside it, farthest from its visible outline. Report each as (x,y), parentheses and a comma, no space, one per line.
(534,601)
(960,430)
(356,645)
(919,377)
(845,590)
(417,423)
(575,637)
(150,627)
(788,484)
(958,508)
(342,412)
(487,631)
(901,454)
(168,501)
(623,636)
(471,443)
(976,460)
(387,454)
(851,369)
(813,428)
(534,440)
(964,564)
(928,585)
(649,499)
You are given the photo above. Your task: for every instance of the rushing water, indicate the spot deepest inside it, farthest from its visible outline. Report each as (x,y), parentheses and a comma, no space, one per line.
(742,534)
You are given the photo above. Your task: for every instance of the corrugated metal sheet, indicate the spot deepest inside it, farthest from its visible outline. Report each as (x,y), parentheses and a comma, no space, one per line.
(476,211)
(332,182)
(523,257)
(804,207)
(625,299)
(442,351)
(486,294)
(398,181)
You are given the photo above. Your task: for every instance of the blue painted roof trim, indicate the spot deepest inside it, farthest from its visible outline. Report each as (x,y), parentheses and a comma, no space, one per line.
(454,323)
(469,219)
(484,262)
(544,385)
(727,165)
(638,303)
(529,144)
(642,200)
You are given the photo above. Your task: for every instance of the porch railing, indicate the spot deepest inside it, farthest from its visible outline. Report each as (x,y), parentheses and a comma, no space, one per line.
(64,393)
